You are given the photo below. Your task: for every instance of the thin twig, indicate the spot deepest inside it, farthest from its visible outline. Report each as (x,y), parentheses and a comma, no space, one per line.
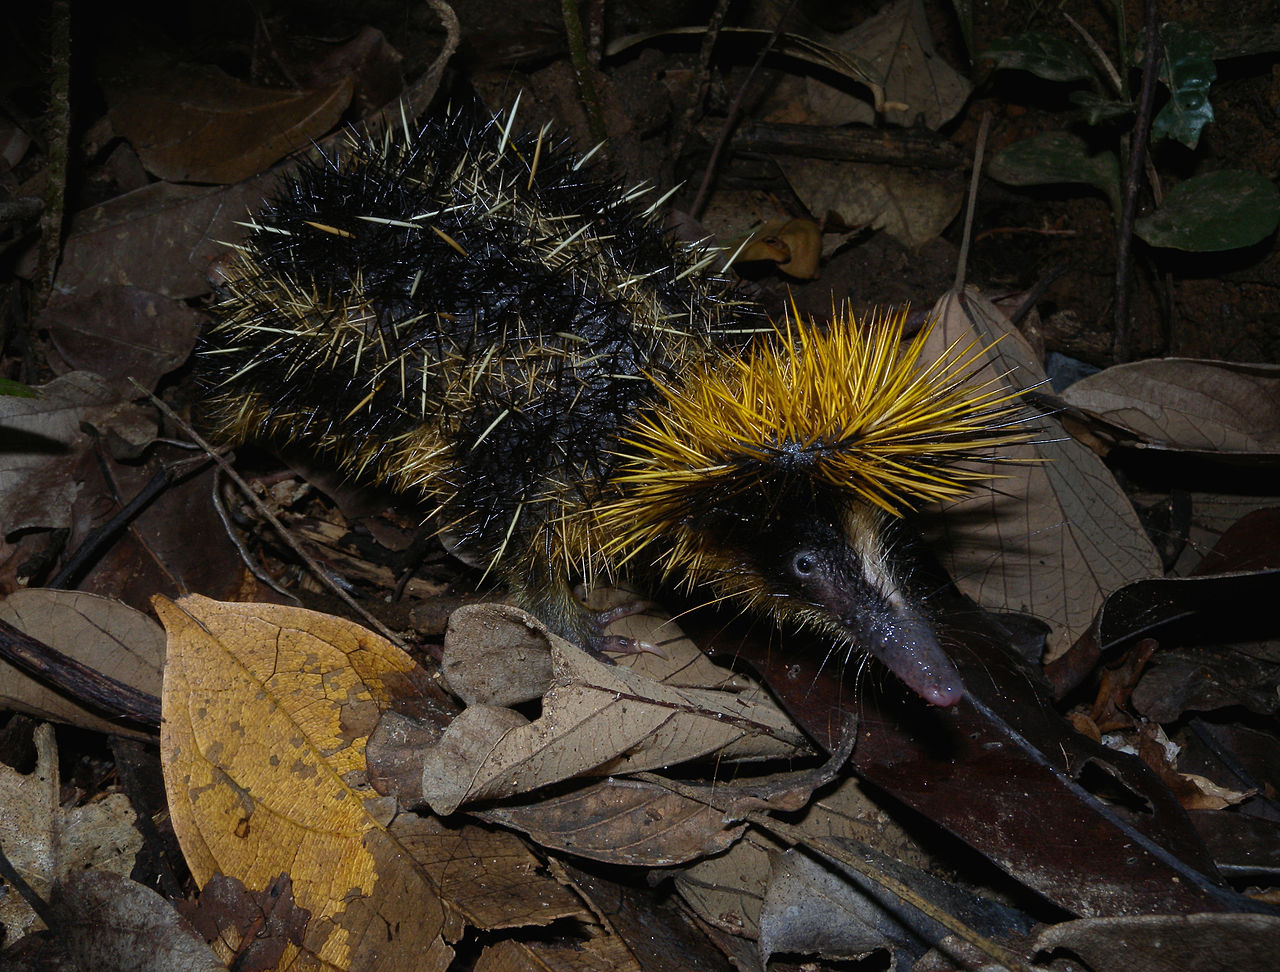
(735,109)
(96,540)
(16,881)
(94,543)
(1036,292)
(215,496)
(76,680)
(1133,183)
(709,38)
(1108,68)
(975,180)
(319,572)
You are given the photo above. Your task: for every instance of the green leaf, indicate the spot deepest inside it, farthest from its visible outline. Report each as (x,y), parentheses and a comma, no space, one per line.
(1043,55)
(1218,211)
(16,389)
(1096,109)
(1187,71)
(1057,157)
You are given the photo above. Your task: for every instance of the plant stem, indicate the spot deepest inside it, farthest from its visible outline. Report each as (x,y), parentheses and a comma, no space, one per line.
(582,69)
(1133,183)
(735,109)
(1122,40)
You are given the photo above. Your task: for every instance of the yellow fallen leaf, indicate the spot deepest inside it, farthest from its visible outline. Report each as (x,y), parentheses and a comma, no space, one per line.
(266,712)
(795,245)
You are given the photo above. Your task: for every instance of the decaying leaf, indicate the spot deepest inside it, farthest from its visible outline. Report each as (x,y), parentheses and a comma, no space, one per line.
(46,843)
(919,86)
(811,910)
(191,123)
(121,333)
(266,713)
(622,822)
(264,922)
(161,238)
(110,922)
(45,439)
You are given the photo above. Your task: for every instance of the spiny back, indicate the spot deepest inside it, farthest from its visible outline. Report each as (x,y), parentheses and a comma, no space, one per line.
(468,312)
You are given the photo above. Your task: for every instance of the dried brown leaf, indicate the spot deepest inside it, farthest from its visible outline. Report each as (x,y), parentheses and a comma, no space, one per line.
(45,440)
(99,632)
(161,238)
(111,923)
(267,711)
(260,924)
(121,332)
(727,890)
(46,843)
(604,953)
(1183,403)
(1057,534)
(918,84)
(597,719)
(911,207)
(811,910)
(623,821)
(191,123)
(488,874)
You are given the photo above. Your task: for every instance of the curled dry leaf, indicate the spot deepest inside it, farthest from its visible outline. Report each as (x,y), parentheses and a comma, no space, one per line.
(502,661)
(597,719)
(656,823)
(919,86)
(1056,534)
